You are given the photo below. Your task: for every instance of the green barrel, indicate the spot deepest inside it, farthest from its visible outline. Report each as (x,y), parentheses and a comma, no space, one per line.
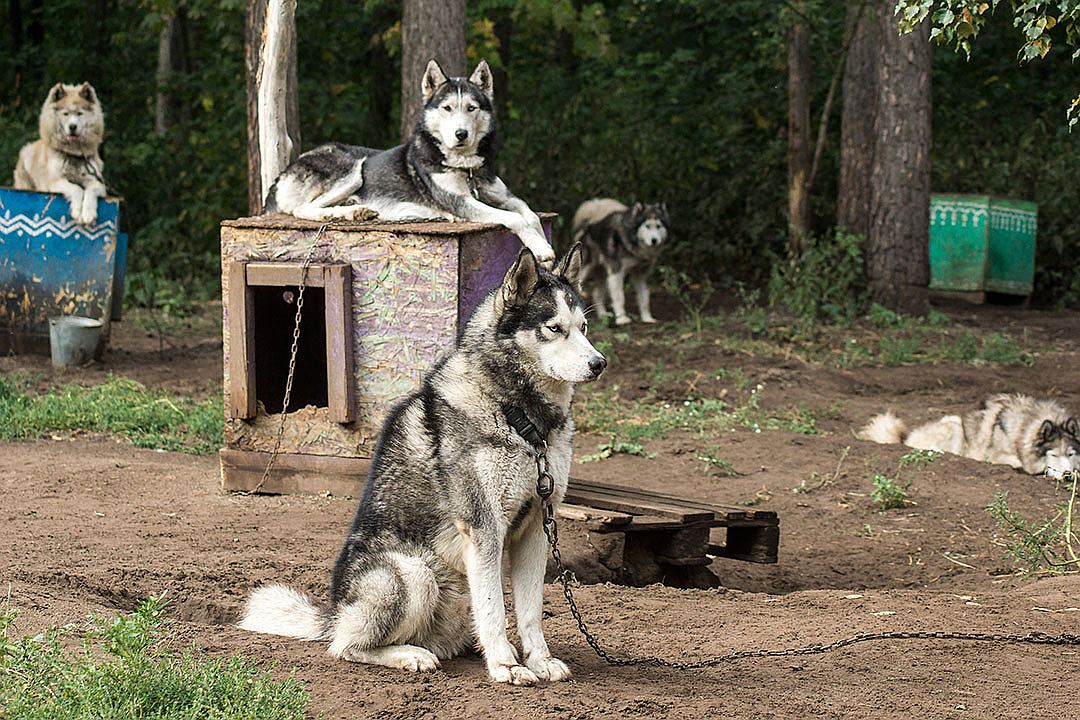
(980,243)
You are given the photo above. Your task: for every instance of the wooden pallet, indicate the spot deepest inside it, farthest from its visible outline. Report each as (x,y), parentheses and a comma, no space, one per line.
(670,539)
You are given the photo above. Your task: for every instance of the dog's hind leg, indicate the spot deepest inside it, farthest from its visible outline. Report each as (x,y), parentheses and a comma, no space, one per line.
(387,615)
(327,206)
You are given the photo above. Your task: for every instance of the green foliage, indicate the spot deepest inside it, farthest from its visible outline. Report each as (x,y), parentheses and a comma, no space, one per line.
(120,673)
(889,493)
(716,465)
(693,296)
(1049,545)
(121,407)
(919,458)
(826,284)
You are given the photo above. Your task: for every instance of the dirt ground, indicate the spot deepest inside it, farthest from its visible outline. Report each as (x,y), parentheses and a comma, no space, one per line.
(92,525)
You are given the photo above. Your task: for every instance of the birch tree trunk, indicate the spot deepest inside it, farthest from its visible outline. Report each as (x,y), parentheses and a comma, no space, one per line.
(273,107)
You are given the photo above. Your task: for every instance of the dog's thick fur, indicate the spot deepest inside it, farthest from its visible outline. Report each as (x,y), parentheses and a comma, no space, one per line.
(446,170)
(452,491)
(620,241)
(1035,436)
(65,158)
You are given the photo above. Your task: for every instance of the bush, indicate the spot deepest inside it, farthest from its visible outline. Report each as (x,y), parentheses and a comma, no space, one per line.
(828,283)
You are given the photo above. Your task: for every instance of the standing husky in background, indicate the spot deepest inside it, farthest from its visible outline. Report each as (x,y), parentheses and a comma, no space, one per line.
(624,241)
(453,490)
(1032,435)
(65,159)
(445,171)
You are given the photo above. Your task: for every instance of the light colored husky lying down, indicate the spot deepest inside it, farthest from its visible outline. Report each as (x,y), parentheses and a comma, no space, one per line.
(1035,436)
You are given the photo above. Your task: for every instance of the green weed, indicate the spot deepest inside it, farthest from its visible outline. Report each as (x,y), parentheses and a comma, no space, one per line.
(888,493)
(827,283)
(717,466)
(1049,545)
(121,672)
(121,407)
(615,447)
(919,458)
(693,295)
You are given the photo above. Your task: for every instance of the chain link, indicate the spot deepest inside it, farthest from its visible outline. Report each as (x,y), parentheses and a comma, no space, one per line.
(292,360)
(551,530)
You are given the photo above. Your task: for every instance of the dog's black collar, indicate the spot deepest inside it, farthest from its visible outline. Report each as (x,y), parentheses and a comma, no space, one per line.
(523,426)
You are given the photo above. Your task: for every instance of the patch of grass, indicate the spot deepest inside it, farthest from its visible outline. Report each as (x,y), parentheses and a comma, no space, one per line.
(120,672)
(1050,545)
(693,295)
(889,493)
(120,407)
(615,447)
(635,422)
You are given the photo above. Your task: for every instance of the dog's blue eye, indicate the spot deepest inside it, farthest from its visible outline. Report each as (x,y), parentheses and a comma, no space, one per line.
(470,108)
(557,329)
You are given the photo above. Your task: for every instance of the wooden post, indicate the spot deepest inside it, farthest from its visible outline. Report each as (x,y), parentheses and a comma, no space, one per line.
(273,107)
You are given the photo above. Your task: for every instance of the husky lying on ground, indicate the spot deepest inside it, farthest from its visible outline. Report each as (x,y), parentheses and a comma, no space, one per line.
(1032,435)
(445,171)
(621,241)
(453,489)
(65,158)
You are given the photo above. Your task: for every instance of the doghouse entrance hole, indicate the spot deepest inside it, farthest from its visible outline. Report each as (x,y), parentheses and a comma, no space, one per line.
(275,317)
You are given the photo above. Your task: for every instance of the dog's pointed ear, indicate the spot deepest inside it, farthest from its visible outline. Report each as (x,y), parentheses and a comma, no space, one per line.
(1072,427)
(569,266)
(86,92)
(520,282)
(57,93)
(1047,431)
(482,78)
(636,210)
(434,77)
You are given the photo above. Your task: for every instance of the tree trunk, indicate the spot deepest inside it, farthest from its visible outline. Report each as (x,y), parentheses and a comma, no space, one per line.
(430,29)
(857,120)
(897,260)
(169,57)
(504,33)
(273,106)
(798,138)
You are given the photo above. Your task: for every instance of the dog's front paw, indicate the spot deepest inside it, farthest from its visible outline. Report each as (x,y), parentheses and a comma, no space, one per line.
(649,319)
(513,675)
(548,668)
(418,660)
(622,320)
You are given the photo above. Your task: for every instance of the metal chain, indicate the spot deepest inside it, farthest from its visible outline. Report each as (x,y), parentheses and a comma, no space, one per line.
(551,530)
(292,360)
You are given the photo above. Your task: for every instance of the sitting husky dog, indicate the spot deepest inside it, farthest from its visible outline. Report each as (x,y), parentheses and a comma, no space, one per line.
(65,159)
(445,171)
(625,241)
(1032,435)
(453,489)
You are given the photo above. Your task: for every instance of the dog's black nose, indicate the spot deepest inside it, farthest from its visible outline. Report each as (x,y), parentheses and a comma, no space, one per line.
(462,134)
(72,128)
(597,365)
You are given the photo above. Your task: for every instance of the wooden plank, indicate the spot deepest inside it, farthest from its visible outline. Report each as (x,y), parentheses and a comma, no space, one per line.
(605,519)
(241,350)
(340,381)
(635,504)
(732,511)
(750,544)
(241,471)
(280,274)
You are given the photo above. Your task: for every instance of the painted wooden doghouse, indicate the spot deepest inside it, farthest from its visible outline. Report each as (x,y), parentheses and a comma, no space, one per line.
(383,302)
(49,267)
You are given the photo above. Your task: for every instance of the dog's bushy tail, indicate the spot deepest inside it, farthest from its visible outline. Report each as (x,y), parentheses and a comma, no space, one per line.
(885,428)
(280,610)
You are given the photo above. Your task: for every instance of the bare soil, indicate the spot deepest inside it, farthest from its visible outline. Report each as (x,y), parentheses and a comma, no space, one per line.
(93,525)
